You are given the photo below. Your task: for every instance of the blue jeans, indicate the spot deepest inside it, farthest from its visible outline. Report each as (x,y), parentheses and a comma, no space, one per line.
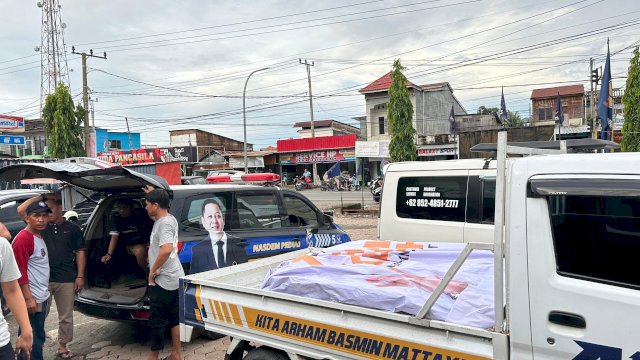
(39,336)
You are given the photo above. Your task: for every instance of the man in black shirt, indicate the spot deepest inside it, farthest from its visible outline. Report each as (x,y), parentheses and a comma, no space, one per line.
(130,230)
(67,263)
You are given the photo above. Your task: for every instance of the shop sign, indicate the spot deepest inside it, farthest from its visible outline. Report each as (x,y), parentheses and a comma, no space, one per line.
(437,151)
(321,156)
(143,156)
(11,124)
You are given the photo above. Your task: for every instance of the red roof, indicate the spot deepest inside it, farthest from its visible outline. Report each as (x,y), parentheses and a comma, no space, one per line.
(563,90)
(383,83)
(317,143)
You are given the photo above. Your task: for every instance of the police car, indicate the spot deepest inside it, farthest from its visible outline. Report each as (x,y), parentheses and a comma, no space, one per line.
(269,220)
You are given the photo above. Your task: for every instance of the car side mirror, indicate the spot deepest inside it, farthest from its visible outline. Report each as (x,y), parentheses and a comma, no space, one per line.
(328,219)
(328,212)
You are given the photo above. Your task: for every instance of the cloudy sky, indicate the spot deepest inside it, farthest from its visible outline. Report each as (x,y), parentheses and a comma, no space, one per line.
(182,64)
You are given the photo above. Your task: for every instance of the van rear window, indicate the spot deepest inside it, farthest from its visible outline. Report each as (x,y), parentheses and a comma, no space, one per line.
(432,198)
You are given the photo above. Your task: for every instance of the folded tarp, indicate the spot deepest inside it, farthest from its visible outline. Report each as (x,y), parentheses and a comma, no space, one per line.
(393,276)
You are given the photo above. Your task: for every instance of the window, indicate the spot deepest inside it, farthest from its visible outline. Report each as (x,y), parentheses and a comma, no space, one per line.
(596,231)
(258,211)
(381,125)
(191,214)
(432,198)
(299,212)
(9,211)
(481,199)
(115,144)
(545,114)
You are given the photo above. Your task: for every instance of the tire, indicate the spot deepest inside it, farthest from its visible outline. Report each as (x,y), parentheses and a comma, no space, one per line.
(263,353)
(211,335)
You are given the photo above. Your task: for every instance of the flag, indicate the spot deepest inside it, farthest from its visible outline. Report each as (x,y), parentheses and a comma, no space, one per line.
(604,105)
(559,112)
(504,115)
(334,170)
(452,121)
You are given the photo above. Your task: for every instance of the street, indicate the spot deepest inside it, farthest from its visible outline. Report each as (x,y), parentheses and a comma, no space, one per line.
(102,339)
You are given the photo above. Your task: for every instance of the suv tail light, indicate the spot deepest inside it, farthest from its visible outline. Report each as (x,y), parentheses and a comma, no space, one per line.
(140,314)
(180,245)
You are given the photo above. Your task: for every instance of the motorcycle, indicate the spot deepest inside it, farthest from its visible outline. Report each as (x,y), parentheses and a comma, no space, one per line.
(353,184)
(302,183)
(329,185)
(376,188)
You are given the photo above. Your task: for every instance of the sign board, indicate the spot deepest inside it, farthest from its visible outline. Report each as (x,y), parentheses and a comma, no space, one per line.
(253,162)
(143,156)
(12,140)
(372,149)
(321,156)
(12,124)
(438,150)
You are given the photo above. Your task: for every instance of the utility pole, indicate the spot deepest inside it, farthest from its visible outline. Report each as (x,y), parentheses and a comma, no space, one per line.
(593,74)
(308,65)
(85,92)
(129,132)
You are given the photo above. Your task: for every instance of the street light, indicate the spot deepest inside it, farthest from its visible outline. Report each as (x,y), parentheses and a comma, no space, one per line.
(244,119)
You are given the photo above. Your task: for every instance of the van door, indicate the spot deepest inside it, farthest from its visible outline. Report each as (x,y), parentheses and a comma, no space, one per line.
(583,241)
(481,206)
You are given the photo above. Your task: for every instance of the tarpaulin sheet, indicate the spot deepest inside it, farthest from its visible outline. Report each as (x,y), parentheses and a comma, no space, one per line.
(393,276)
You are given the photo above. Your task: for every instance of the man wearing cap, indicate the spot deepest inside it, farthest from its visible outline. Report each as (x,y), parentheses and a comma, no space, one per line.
(32,258)
(67,261)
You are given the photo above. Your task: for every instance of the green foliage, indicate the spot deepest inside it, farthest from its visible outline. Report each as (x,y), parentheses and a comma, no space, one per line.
(482,110)
(513,120)
(62,122)
(400,114)
(631,101)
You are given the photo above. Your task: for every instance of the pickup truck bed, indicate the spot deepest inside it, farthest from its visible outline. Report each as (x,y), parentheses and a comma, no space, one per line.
(229,301)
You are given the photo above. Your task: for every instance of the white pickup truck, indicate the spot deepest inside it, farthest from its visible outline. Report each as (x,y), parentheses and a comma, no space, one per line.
(567,236)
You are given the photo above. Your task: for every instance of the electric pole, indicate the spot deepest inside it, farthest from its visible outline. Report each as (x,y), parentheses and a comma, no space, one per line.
(129,132)
(308,65)
(85,92)
(593,74)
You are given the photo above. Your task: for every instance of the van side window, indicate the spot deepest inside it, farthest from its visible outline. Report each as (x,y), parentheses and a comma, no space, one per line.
(192,211)
(597,238)
(258,211)
(432,198)
(299,213)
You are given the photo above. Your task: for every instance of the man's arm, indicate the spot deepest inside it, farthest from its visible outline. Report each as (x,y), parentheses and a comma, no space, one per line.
(15,301)
(81,263)
(165,251)
(29,300)
(4,232)
(22,209)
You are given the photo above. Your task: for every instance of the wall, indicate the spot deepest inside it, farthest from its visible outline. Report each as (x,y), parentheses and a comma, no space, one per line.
(530,133)
(437,109)
(573,108)
(204,138)
(103,137)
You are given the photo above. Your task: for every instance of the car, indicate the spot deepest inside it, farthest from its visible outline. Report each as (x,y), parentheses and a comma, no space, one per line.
(193,180)
(9,202)
(269,221)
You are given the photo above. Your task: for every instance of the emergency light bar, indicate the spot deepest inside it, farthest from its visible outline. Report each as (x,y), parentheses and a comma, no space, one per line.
(244,178)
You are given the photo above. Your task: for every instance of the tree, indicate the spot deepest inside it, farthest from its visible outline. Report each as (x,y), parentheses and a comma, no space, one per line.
(62,123)
(513,120)
(400,114)
(483,110)
(631,101)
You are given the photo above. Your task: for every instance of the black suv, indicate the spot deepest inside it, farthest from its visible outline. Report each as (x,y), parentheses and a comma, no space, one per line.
(269,220)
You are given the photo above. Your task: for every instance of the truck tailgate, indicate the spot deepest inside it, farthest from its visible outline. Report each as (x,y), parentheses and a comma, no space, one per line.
(229,301)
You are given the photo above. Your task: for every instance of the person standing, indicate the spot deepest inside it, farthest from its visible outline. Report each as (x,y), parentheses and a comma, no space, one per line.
(30,252)
(9,275)
(67,263)
(164,274)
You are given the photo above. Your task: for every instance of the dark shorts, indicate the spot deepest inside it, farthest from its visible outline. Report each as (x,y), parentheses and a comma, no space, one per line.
(164,310)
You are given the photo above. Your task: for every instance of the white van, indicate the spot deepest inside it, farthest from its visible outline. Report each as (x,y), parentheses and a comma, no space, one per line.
(451,200)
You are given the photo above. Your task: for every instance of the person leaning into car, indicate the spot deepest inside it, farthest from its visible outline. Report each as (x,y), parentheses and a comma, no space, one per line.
(219,249)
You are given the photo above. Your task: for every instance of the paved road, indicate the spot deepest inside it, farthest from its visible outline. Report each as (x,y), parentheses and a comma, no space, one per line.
(334,199)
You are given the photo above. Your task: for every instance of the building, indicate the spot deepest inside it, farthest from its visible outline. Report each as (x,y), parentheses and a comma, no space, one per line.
(325,128)
(543,110)
(109,141)
(431,109)
(205,142)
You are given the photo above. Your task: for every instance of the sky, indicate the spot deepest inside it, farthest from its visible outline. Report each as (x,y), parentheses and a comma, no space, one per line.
(183,64)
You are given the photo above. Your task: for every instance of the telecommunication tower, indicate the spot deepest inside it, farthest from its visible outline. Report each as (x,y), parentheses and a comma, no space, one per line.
(53,56)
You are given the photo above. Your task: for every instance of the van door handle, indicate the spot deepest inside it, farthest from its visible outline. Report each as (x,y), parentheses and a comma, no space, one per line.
(567,319)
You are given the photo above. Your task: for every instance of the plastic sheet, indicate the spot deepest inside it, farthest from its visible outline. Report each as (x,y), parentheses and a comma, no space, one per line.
(393,276)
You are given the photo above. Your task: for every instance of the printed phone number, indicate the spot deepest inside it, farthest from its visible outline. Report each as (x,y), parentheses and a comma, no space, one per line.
(436,203)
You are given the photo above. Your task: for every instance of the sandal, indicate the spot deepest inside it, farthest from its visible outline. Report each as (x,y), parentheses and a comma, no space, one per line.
(65,355)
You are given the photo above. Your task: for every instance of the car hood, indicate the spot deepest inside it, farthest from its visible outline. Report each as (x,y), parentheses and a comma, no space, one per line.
(85,173)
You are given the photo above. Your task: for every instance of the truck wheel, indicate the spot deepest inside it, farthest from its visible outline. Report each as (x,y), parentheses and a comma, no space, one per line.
(265,354)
